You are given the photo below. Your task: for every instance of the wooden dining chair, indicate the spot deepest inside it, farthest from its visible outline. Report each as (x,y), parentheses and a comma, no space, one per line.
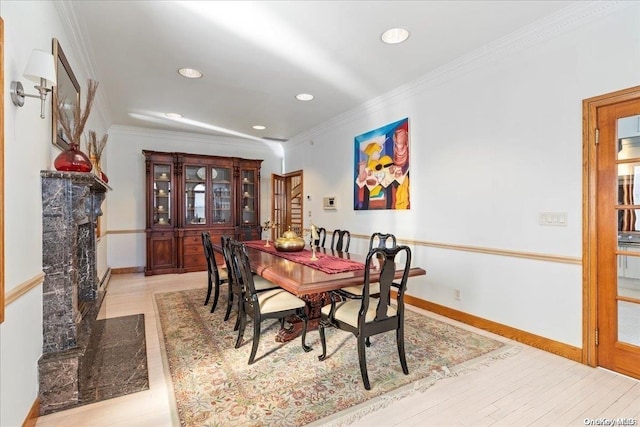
(236,290)
(340,240)
(215,276)
(370,316)
(271,304)
(322,237)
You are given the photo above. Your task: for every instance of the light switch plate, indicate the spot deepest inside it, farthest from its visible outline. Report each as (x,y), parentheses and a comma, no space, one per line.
(553,219)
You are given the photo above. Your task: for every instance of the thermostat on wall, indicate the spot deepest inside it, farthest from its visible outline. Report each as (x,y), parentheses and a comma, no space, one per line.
(329,202)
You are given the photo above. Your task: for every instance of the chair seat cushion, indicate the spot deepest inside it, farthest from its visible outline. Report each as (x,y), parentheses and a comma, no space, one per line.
(374,288)
(278,300)
(347,311)
(222,274)
(262,284)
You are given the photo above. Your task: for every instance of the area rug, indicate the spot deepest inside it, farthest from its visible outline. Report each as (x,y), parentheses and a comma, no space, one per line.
(214,385)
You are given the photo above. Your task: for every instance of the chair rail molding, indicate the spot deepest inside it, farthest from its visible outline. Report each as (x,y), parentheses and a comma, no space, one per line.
(23,288)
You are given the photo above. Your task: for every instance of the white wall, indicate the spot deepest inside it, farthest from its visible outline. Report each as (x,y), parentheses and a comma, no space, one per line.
(28,150)
(126,219)
(496,139)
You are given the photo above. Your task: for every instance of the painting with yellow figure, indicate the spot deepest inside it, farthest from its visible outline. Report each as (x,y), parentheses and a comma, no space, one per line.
(381,168)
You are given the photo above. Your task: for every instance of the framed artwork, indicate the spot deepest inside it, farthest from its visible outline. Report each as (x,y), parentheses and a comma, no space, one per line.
(67,88)
(381,168)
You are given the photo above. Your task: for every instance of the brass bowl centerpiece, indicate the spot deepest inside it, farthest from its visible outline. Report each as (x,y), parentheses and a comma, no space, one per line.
(289,242)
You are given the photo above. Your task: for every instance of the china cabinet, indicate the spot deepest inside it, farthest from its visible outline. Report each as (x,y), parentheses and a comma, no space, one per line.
(190,193)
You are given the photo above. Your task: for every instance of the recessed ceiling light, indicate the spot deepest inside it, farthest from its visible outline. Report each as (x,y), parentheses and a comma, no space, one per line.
(395,35)
(190,73)
(259,127)
(304,97)
(173,115)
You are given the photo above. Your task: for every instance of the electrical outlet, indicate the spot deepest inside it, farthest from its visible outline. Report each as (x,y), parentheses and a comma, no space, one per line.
(456,294)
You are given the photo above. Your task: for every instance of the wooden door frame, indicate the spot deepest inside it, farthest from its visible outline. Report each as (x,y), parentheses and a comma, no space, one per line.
(286,177)
(2,169)
(589,217)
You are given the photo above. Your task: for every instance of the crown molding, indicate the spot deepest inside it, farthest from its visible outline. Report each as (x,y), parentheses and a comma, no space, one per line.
(562,22)
(171,135)
(77,36)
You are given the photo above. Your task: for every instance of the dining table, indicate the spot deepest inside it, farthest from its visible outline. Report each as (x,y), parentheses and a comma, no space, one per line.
(311,279)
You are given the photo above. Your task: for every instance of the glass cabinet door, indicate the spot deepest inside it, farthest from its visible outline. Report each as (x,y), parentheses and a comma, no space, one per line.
(221,195)
(249,200)
(161,194)
(195,187)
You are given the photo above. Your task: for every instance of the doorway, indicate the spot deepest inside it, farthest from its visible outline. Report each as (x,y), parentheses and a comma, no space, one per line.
(287,204)
(611,231)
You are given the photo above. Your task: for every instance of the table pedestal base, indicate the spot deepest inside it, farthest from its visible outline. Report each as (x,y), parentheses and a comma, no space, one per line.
(315,302)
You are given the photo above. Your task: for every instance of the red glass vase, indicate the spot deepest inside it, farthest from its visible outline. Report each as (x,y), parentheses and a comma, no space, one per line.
(72,160)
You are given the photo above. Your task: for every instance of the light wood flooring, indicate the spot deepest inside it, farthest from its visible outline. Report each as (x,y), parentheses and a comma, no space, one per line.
(532,387)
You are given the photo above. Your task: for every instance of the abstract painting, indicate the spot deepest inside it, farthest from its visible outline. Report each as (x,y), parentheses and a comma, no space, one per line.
(381,168)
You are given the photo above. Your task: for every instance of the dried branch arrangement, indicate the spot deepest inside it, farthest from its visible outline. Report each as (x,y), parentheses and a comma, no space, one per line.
(95,147)
(72,128)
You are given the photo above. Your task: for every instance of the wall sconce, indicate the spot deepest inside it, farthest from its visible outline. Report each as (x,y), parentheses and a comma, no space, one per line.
(40,69)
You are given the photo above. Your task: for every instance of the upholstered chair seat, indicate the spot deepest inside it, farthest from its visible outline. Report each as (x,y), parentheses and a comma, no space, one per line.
(263,284)
(358,289)
(278,300)
(347,311)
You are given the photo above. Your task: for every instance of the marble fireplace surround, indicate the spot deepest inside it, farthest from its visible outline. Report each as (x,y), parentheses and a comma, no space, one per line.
(71,205)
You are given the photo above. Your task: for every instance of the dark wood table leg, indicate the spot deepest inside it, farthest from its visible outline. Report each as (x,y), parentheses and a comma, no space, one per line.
(315,302)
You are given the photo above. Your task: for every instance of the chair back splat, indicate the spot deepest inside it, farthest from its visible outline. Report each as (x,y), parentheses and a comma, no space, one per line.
(215,277)
(377,240)
(322,237)
(235,289)
(340,240)
(382,240)
(369,315)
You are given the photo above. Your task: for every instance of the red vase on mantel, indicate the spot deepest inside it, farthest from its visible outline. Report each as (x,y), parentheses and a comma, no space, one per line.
(72,160)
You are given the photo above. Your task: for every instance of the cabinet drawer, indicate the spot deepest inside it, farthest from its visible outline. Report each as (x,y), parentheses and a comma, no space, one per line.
(195,261)
(161,234)
(192,240)
(193,250)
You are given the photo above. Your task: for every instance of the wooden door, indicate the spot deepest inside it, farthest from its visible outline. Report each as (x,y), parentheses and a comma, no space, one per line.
(287,203)
(617,235)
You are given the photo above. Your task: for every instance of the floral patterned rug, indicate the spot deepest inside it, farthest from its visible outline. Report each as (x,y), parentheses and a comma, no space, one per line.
(214,385)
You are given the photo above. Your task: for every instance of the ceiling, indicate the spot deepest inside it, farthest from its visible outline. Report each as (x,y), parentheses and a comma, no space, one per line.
(256,56)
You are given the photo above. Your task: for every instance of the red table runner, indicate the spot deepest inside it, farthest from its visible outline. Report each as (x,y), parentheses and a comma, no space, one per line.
(326,263)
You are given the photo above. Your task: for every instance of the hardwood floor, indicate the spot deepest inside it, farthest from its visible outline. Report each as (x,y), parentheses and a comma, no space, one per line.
(532,387)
